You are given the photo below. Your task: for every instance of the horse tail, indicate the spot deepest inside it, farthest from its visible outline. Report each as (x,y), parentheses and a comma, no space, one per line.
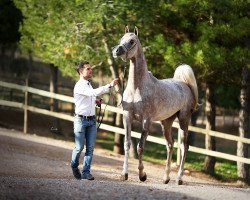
(185,74)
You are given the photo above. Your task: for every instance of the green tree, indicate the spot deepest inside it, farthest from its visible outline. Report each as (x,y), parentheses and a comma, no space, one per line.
(242,149)
(62,33)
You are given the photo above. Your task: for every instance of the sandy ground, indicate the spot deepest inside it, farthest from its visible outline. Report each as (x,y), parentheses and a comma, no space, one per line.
(35,167)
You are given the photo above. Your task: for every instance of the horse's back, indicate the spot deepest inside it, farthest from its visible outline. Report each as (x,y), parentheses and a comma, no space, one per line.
(174,85)
(170,97)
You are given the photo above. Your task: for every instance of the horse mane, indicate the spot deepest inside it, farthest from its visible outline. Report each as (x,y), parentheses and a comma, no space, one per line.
(185,74)
(153,78)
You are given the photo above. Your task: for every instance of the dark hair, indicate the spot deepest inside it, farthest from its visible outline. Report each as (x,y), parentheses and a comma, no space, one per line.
(81,65)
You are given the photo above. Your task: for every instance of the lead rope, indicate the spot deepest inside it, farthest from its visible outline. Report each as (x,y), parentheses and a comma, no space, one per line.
(99,113)
(110,94)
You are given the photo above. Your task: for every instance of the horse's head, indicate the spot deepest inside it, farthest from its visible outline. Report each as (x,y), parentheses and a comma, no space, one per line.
(128,45)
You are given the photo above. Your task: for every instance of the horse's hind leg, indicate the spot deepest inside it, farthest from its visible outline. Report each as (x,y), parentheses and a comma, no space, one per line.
(140,148)
(167,132)
(184,146)
(127,142)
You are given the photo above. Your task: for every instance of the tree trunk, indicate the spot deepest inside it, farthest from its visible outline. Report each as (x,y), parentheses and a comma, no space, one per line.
(210,125)
(53,87)
(27,95)
(100,77)
(56,127)
(2,56)
(242,149)
(118,138)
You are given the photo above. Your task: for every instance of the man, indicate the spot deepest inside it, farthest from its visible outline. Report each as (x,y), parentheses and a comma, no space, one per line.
(85,120)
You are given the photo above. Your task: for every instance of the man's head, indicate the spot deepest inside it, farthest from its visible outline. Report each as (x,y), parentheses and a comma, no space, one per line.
(84,70)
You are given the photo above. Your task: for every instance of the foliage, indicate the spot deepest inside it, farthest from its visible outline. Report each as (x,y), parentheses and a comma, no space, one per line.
(211,36)
(227,96)
(63,33)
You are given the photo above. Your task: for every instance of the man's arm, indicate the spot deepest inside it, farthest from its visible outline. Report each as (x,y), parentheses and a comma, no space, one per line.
(98,91)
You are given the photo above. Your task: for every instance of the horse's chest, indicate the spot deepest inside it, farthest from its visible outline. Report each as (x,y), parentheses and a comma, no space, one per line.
(135,102)
(132,96)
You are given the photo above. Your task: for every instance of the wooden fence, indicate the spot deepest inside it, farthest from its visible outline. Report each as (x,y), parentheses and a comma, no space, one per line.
(110,128)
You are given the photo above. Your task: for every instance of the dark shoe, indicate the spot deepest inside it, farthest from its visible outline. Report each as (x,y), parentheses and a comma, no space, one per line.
(88,177)
(76,173)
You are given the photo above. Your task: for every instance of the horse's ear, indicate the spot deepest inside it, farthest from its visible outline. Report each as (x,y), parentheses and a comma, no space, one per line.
(136,31)
(126,29)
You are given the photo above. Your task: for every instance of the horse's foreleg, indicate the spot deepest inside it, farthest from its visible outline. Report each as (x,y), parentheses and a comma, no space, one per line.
(140,148)
(184,149)
(127,144)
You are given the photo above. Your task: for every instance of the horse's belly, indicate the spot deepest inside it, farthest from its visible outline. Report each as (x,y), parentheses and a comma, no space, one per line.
(162,117)
(165,113)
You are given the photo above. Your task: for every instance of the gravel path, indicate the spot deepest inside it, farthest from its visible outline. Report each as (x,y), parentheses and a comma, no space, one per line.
(34,167)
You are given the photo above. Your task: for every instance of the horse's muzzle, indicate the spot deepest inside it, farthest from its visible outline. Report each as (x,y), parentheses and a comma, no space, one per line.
(118,51)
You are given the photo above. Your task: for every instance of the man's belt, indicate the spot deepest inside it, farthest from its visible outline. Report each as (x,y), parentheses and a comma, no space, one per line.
(86,117)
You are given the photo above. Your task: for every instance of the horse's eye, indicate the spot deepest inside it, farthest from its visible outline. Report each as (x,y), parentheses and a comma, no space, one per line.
(131,42)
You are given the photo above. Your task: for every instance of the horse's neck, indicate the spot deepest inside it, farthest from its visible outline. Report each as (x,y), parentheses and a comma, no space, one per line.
(138,71)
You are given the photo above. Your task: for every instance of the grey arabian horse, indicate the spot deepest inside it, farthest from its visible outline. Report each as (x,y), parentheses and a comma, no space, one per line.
(148,99)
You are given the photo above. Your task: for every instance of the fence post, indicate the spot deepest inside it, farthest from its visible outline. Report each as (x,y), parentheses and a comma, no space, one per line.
(178,159)
(25,120)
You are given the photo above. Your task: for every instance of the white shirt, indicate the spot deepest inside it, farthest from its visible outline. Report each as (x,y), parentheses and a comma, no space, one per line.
(85,97)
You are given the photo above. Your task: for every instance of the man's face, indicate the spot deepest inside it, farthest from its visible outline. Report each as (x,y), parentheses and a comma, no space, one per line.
(86,71)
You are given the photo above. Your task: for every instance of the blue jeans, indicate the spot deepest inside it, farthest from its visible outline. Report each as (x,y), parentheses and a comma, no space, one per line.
(85,132)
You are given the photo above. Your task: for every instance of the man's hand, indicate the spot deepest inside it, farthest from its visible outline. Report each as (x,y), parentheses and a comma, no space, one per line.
(114,82)
(98,102)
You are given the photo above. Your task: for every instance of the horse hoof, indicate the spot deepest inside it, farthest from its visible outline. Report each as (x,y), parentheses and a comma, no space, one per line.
(143,178)
(179,182)
(166,181)
(124,177)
